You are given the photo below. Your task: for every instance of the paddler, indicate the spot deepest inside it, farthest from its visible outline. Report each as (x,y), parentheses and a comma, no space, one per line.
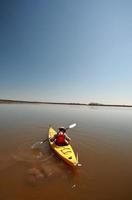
(61,138)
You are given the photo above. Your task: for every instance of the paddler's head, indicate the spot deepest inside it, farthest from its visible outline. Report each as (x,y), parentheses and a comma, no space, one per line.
(62,129)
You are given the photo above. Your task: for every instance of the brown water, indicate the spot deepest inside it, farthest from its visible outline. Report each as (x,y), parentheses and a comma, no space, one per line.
(103,139)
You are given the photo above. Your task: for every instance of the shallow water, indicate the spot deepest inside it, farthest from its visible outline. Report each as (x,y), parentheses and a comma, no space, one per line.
(103,139)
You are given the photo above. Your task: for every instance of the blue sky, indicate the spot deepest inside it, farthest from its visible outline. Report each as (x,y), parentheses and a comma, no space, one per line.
(66,50)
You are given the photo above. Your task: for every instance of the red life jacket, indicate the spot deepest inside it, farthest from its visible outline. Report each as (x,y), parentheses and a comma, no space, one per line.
(60,139)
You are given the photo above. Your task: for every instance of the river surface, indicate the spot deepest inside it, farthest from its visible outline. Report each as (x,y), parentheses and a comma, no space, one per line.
(31,171)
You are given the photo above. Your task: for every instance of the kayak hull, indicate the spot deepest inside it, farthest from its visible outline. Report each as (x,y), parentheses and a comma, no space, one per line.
(66,152)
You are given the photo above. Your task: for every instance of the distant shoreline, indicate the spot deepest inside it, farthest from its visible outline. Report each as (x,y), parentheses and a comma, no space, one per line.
(8,101)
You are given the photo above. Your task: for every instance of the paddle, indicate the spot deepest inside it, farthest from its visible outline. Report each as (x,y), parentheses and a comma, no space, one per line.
(44,140)
(69,127)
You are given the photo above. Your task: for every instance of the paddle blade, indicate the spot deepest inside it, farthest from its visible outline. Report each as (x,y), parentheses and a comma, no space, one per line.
(36,145)
(72,125)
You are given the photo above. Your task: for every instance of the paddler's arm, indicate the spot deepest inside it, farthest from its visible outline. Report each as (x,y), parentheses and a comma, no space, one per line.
(53,138)
(67,137)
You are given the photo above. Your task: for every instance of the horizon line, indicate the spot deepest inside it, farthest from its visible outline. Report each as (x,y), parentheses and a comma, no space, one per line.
(62,103)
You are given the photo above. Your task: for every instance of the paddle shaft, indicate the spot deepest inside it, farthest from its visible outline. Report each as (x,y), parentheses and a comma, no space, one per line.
(45,140)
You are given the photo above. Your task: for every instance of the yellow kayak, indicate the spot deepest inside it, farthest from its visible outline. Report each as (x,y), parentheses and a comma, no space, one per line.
(65,152)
